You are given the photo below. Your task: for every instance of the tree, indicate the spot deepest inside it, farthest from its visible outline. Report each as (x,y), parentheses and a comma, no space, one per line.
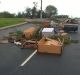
(43,14)
(61,16)
(23,15)
(6,14)
(38,13)
(34,12)
(19,15)
(50,11)
(28,12)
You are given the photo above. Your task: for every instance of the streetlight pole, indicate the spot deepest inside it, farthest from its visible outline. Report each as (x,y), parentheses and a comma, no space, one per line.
(41,10)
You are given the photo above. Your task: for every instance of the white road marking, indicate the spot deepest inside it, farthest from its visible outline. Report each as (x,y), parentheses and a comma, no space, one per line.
(28,58)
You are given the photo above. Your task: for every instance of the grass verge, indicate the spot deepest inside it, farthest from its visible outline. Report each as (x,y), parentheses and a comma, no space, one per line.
(10,21)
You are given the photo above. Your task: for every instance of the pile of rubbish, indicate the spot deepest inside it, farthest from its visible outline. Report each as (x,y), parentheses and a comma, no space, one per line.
(4,40)
(45,44)
(72,21)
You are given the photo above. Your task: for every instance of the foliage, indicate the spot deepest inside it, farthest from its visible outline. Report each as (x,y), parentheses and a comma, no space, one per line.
(75,41)
(43,14)
(61,16)
(6,14)
(31,12)
(67,40)
(34,12)
(28,12)
(18,35)
(51,10)
(37,34)
(19,15)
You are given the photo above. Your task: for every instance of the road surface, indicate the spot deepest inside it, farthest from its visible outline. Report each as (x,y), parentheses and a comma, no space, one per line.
(11,58)
(5,32)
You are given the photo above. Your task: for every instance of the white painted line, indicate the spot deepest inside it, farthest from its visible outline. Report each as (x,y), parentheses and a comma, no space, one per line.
(28,58)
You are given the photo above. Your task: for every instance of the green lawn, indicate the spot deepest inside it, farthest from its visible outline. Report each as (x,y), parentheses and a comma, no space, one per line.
(10,21)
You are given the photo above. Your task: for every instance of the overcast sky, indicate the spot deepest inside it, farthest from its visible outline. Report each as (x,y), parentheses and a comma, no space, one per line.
(67,7)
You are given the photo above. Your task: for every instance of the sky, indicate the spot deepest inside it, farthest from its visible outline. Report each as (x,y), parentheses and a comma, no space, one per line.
(66,7)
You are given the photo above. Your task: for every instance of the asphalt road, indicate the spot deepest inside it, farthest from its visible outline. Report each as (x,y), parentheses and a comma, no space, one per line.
(68,63)
(21,27)
(11,56)
(42,64)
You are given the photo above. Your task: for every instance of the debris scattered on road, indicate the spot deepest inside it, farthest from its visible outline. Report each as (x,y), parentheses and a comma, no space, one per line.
(3,40)
(17,43)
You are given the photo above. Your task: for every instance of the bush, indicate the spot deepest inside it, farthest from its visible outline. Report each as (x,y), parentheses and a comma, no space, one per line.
(75,41)
(37,34)
(67,40)
(18,35)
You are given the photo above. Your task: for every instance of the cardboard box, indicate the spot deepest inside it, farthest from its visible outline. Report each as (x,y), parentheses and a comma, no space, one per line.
(29,32)
(49,46)
(48,32)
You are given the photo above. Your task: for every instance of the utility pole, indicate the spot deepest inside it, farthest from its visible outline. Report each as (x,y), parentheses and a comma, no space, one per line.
(41,10)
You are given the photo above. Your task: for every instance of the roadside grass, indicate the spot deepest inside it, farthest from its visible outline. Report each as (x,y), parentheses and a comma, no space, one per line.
(10,21)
